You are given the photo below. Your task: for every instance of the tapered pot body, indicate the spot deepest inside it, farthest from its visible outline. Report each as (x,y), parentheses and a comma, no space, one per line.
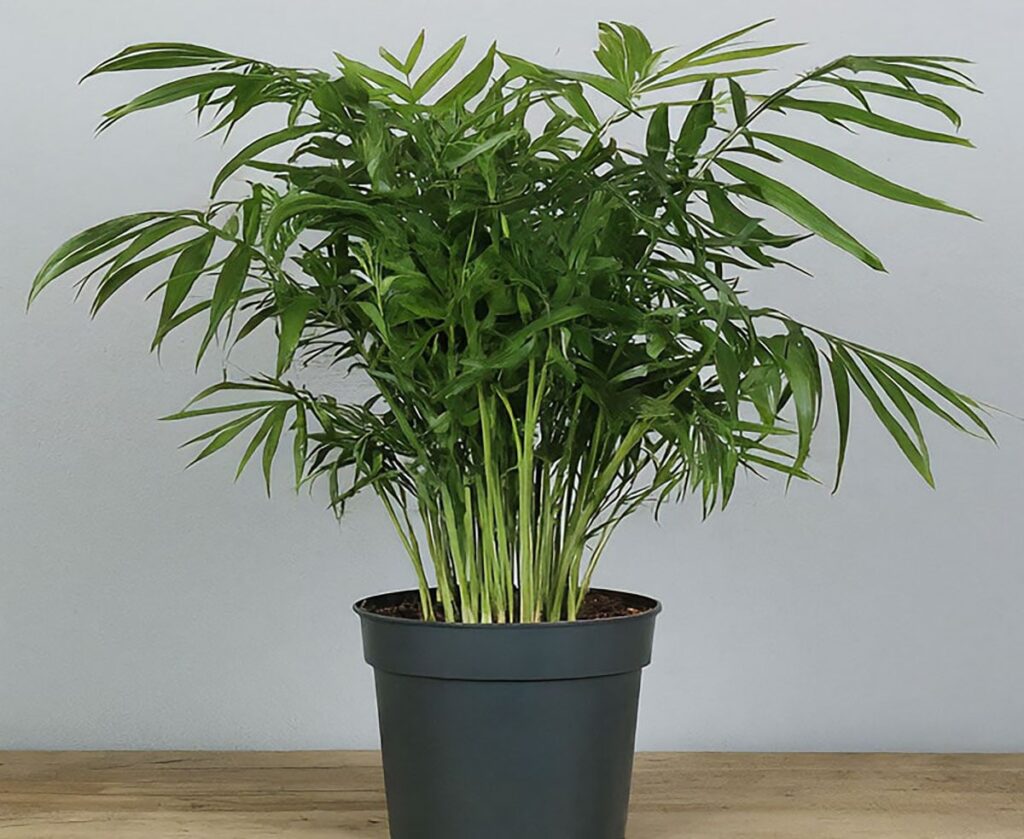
(511,731)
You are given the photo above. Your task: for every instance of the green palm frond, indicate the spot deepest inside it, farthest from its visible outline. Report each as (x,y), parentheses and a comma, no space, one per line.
(553,320)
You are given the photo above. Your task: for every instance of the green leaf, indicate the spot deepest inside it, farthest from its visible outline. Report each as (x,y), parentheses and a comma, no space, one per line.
(803,212)
(739,102)
(292,322)
(742,54)
(709,47)
(116,279)
(612,88)
(375,316)
(841,393)
(897,397)
(384,81)
(176,321)
(414,52)
(186,269)
(300,445)
(728,368)
(611,53)
(390,59)
(919,459)
(638,48)
(252,215)
(474,151)
(697,78)
(86,245)
(259,146)
(847,170)
(904,72)
(858,86)
(191,413)
(802,378)
(699,119)
(309,205)
(225,435)
(226,292)
(657,135)
(472,83)
(278,415)
(174,91)
(148,237)
(261,316)
(574,95)
(254,444)
(914,391)
(436,71)
(842,112)
(161,56)
(963,403)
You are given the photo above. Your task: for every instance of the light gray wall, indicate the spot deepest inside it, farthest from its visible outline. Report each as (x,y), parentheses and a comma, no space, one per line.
(142,606)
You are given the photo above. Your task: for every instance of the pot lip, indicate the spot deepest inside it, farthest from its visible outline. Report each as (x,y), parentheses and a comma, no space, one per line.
(359,608)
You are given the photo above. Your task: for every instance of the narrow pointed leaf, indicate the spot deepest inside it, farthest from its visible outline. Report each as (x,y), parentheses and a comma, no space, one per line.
(254,443)
(226,292)
(300,445)
(89,242)
(161,56)
(472,83)
(226,436)
(741,55)
(657,135)
(685,60)
(392,60)
(175,91)
(259,146)
(841,393)
(917,458)
(436,71)
(842,112)
(847,170)
(798,208)
(414,52)
(116,279)
(896,92)
(187,268)
(278,415)
(292,322)
(699,120)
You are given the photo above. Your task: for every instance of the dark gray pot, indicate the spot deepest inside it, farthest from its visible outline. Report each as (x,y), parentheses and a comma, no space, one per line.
(511,731)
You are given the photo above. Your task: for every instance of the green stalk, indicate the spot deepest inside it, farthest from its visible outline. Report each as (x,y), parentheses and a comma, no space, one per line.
(458,560)
(520,456)
(606,532)
(413,549)
(495,506)
(572,558)
(475,570)
(528,592)
(442,571)
(545,536)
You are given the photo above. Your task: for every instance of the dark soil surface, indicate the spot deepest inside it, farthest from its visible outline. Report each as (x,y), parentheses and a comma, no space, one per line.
(598,604)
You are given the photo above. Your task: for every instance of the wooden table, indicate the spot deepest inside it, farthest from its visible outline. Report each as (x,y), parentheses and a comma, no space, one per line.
(307,795)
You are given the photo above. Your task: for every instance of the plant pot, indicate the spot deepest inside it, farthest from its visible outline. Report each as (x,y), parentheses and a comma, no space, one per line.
(507,731)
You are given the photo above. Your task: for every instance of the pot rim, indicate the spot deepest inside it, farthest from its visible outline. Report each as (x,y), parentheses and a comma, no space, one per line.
(653,609)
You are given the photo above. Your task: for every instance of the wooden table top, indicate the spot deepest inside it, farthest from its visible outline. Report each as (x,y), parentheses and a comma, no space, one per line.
(308,795)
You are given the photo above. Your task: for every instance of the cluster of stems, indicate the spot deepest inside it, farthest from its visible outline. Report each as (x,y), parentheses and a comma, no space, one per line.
(516,534)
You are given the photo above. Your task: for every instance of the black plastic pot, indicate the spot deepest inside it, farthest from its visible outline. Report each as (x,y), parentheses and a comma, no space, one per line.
(507,731)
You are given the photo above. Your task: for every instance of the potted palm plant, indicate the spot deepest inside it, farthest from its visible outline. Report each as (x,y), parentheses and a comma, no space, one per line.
(553,322)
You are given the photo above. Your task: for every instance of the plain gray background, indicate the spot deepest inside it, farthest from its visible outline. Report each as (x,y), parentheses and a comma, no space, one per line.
(142,606)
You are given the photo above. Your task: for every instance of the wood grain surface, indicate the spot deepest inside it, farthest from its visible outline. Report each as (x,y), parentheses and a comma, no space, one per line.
(308,795)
